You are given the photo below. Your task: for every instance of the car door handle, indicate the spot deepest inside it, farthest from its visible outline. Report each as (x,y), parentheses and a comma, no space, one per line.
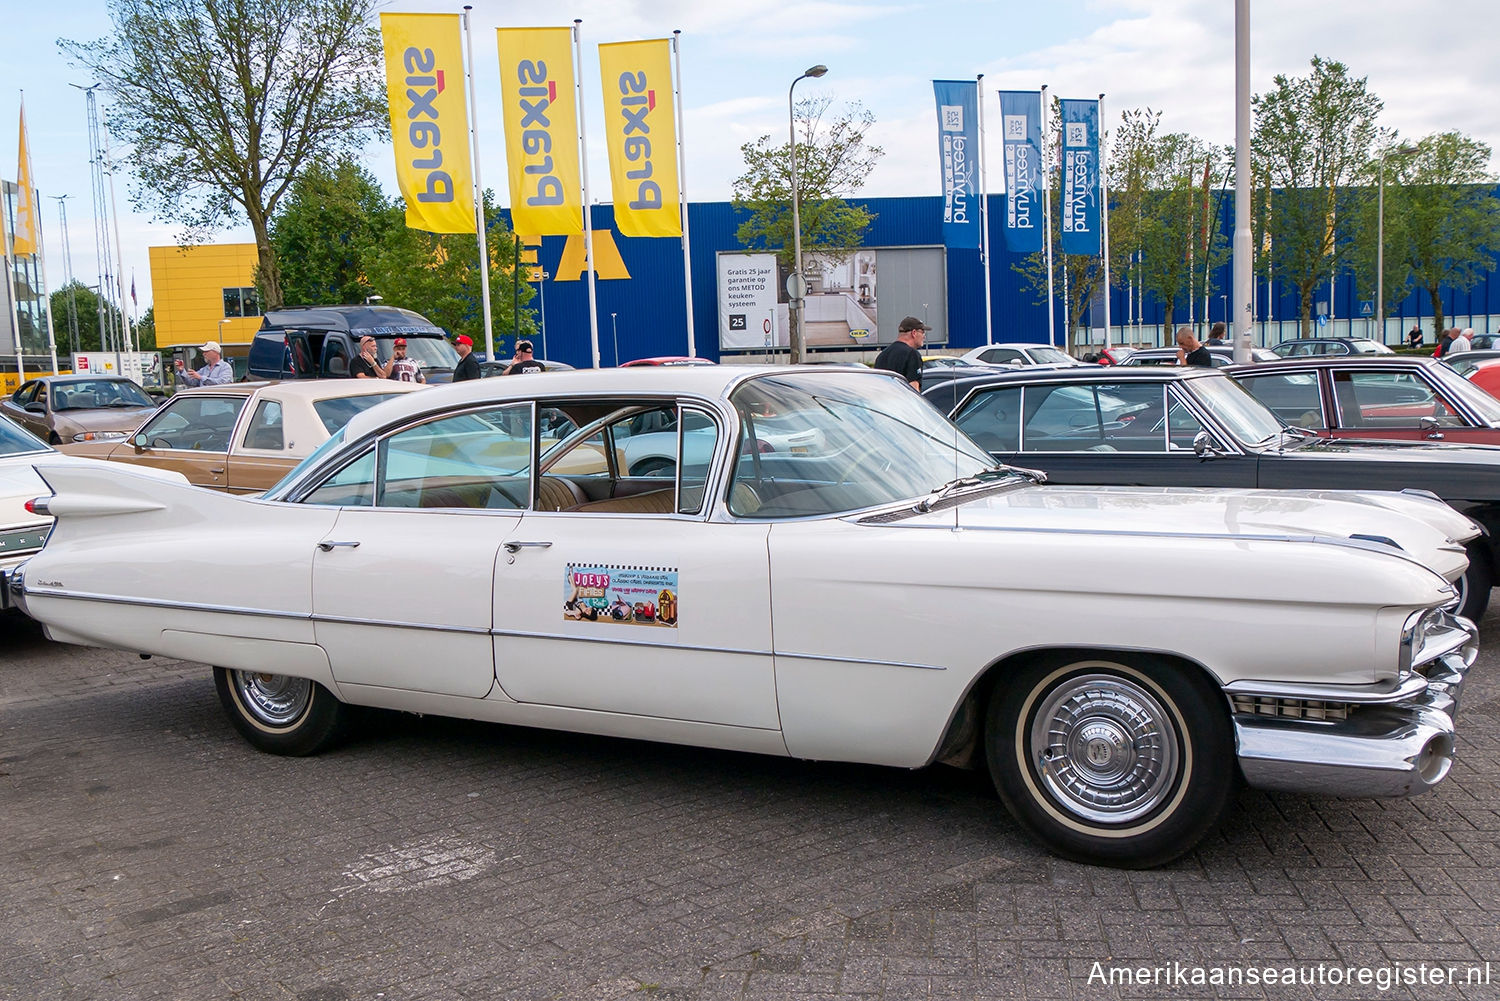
(516,547)
(329,547)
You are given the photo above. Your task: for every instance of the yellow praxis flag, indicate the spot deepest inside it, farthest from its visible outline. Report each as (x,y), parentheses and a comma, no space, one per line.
(424,79)
(641,120)
(541,130)
(25,235)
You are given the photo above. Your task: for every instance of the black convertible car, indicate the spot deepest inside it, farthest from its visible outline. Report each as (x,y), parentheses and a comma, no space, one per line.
(1197,427)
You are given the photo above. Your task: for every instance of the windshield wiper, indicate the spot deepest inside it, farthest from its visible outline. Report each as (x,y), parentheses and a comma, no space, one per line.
(978,479)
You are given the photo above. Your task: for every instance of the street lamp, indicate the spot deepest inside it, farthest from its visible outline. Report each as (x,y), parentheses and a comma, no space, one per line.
(1380,241)
(616,328)
(796,304)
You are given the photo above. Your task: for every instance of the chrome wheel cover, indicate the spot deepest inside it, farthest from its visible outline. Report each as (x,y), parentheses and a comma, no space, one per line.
(1105,748)
(274,700)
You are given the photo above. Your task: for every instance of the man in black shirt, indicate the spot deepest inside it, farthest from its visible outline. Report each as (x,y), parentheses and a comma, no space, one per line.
(524,362)
(468,366)
(365,364)
(1190,352)
(903,355)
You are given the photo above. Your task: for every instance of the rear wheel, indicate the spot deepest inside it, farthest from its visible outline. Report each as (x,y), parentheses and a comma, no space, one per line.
(280,714)
(1125,760)
(1474,586)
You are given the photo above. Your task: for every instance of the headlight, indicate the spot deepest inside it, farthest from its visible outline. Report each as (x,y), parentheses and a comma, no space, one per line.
(100,435)
(1413,635)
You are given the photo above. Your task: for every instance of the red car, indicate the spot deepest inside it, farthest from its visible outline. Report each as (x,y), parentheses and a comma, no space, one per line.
(672,360)
(1375,396)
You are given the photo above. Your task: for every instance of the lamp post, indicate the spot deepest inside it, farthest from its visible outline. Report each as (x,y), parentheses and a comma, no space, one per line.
(795,338)
(1380,241)
(616,328)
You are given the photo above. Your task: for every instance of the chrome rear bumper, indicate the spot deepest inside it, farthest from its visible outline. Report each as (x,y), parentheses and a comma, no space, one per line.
(12,588)
(1384,747)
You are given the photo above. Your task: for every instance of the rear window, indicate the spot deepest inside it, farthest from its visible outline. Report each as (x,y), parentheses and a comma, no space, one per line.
(14,440)
(337,412)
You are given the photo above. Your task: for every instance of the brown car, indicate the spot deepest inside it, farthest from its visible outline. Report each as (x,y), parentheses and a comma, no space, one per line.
(245,436)
(67,408)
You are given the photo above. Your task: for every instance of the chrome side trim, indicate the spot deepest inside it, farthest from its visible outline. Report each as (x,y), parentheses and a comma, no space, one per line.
(1369,695)
(850,660)
(613,641)
(114,599)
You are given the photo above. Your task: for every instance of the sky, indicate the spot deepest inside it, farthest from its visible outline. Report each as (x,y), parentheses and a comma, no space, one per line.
(1432,62)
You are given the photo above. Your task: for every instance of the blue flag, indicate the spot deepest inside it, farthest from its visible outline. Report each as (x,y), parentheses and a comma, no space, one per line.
(1080,177)
(1021,134)
(958,149)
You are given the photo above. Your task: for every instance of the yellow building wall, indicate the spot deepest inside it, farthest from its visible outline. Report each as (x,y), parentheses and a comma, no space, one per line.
(187,289)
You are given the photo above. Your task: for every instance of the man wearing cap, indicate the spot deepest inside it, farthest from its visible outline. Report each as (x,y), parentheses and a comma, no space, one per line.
(524,362)
(468,366)
(217,372)
(402,368)
(903,355)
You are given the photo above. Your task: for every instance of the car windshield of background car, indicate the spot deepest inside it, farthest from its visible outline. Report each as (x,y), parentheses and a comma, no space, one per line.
(1050,356)
(1478,400)
(880,443)
(1243,415)
(99,393)
(15,440)
(429,352)
(335,413)
(1370,348)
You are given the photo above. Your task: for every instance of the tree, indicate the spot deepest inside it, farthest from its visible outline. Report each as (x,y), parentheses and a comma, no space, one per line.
(1442,219)
(85,305)
(833,161)
(327,230)
(1311,146)
(226,102)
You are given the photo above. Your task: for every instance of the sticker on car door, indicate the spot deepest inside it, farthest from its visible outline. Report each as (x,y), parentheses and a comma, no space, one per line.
(620,595)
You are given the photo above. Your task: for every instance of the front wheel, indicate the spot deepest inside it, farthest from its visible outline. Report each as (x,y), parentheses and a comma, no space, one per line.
(280,714)
(1474,586)
(1125,760)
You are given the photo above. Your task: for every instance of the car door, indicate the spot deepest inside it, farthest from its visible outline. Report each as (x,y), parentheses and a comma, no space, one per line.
(257,458)
(1400,404)
(27,407)
(403,584)
(189,434)
(639,603)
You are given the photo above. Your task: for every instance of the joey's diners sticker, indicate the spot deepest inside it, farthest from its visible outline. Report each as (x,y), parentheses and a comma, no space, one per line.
(620,594)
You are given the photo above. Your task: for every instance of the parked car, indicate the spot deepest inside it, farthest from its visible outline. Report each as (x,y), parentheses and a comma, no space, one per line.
(489,369)
(22,530)
(317,342)
(939,368)
(897,600)
(1019,353)
(61,408)
(671,361)
(1297,347)
(1177,426)
(1407,398)
(1465,362)
(1221,355)
(245,436)
(1111,354)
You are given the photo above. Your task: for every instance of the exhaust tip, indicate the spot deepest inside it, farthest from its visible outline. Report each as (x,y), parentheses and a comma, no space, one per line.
(1435,759)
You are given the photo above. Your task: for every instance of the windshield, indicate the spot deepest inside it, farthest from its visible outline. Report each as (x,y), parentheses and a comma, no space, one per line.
(1483,403)
(429,352)
(1050,356)
(15,440)
(93,394)
(1242,415)
(876,443)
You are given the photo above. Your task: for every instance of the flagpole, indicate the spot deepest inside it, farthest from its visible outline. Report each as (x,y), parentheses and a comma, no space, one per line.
(588,213)
(480,226)
(41,246)
(1047,212)
(10,293)
(1104,212)
(984,219)
(127,332)
(687,262)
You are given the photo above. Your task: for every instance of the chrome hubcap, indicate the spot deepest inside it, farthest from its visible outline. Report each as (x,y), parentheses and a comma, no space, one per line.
(1105,748)
(273,699)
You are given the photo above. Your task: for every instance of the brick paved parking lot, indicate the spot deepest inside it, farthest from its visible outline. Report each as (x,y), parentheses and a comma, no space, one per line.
(149,852)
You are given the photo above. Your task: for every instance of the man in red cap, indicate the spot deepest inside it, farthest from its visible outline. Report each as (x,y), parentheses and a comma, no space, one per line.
(402,368)
(468,366)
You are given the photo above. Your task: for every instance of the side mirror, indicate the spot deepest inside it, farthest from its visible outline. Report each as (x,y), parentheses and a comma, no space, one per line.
(1429,426)
(139,441)
(37,407)
(1203,446)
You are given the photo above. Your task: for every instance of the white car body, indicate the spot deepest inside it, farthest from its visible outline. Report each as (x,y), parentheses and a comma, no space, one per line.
(1019,353)
(1309,625)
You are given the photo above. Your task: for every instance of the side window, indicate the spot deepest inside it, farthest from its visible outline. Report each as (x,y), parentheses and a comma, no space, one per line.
(201,423)
(1293,397)
(352,486)
(472,460)
(1001,356)
(1183,426)
(27,393)
(648,442)
(1059,419)
(1389,400)
(696,440)
(335,358)
(993,419)
(265,430)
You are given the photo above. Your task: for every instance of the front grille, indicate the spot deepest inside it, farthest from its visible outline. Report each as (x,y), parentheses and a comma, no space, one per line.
(20,541)
(1259,705)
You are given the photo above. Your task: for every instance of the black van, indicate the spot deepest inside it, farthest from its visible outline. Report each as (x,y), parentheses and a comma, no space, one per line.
(317,342)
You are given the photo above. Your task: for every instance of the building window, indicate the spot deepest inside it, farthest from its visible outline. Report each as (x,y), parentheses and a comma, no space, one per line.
(241,302)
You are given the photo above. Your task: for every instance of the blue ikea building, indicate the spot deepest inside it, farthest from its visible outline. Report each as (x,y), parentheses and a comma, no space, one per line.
(645,314)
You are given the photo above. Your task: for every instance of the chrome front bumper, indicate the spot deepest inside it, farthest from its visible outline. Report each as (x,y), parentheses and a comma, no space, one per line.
(1395,741)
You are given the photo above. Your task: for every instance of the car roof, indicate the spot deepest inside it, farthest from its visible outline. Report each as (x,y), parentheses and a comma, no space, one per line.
(306,389)
(1341,361)
(82,377)
(1083,373)
(704,381)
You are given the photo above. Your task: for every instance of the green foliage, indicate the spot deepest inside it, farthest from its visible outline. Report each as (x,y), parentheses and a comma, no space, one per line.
(84,303)
(223,103)
(833,161)
(1312,149)
(328,228)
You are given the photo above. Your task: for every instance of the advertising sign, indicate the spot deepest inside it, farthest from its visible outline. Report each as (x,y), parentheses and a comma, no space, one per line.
(1080,177)
(621,595)
(424,72)
(541,130)
(641,125)
(1021,141)
(747,303)
(958,151)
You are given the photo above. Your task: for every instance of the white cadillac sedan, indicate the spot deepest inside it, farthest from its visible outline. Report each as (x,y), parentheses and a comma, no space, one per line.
(1117,658)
